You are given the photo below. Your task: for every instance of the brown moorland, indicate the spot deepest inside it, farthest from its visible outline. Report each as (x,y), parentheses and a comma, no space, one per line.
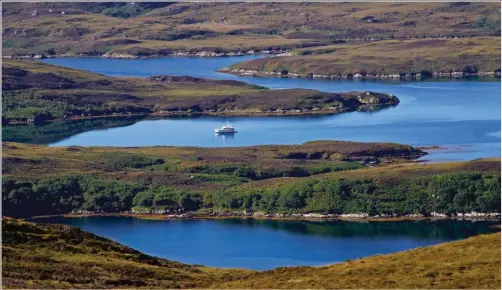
(389,57)
(98,29)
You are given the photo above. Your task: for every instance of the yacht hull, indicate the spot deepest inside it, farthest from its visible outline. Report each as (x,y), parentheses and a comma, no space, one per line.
(224,132)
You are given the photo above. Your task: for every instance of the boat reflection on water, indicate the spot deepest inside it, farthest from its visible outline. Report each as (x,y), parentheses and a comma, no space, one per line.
(224,137)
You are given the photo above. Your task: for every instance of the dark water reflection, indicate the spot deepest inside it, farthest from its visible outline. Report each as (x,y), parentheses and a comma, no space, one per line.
(266,244)
(441,229)
(57,131)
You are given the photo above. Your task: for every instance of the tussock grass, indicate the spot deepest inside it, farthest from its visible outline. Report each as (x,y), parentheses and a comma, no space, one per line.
(56,256)
(473,264)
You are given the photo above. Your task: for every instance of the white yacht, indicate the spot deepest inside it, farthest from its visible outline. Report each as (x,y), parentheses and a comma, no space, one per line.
(227,129)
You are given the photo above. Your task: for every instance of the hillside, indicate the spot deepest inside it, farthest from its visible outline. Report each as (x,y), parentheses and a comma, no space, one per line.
(38,92)
(152,29)
(469,264)
(389,58)
(57,256)
(327,177)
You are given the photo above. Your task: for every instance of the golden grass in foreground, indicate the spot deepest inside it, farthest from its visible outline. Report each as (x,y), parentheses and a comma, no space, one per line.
(56,256)
(473,263)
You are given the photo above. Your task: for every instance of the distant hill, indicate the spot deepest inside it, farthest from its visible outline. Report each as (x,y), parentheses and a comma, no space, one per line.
(463,56)
(150,28)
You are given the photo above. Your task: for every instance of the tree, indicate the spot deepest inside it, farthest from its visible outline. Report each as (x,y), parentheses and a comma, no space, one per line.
(190,202)
(144,199)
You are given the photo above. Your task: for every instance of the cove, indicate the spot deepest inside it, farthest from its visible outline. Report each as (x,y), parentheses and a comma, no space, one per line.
(463,116)
(267,244)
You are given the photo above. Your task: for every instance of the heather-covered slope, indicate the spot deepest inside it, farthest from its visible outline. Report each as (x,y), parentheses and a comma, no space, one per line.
(389,58)
(33,91)
(221,28)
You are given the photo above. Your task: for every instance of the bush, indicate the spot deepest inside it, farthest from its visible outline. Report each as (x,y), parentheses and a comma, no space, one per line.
(190,202)
(128,160)
(143,199)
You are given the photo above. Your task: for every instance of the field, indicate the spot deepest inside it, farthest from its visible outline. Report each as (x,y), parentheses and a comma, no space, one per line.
(165,28)
(325,177)
(41,92)
(56,256)
(394,57)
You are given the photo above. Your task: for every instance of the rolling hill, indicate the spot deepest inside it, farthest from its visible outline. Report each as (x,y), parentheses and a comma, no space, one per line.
(146,29)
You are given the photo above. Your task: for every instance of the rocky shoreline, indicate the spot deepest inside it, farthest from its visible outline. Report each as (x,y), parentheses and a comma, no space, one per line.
(160,114)
(233,113)
(177,53)
(408,76)
(180,215)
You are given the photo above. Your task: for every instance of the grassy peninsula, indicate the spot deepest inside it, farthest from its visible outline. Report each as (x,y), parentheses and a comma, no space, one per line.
(39,92)
(56,256)
(158,29)
(389,58)
(326,177)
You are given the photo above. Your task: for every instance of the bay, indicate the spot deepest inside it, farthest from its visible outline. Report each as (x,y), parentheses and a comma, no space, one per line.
(267,244)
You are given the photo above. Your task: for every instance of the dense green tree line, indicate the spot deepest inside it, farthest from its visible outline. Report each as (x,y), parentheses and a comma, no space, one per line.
(62,195)
(448,193)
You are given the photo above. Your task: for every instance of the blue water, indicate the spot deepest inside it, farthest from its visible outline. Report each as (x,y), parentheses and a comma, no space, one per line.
(266,244)
(462,116)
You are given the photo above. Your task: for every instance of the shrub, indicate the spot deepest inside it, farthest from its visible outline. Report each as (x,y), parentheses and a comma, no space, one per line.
(128,160)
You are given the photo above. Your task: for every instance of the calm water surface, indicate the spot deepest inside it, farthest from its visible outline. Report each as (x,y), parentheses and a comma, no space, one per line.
(266,244)
(463,116)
